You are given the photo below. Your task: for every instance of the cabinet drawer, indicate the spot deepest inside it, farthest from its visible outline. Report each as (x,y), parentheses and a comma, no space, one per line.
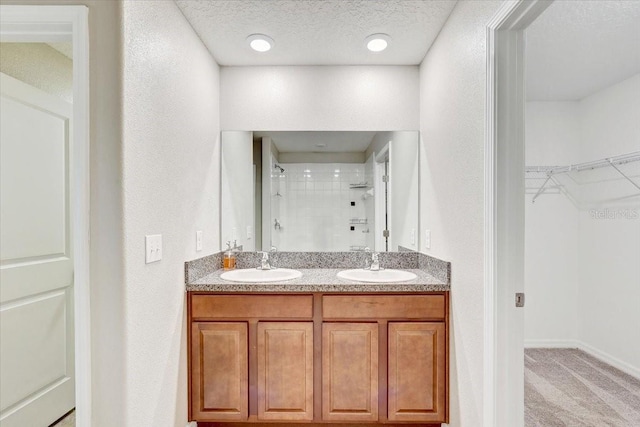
(383,306)
(247,306)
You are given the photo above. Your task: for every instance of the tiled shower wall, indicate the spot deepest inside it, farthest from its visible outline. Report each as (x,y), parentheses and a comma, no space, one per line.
(316,210)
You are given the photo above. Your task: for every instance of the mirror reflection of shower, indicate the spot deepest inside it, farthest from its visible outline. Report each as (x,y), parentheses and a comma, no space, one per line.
(335,194)
(319,191)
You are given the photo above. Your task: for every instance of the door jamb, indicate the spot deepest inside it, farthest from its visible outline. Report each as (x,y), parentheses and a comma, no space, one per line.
(55,24)
(504,211)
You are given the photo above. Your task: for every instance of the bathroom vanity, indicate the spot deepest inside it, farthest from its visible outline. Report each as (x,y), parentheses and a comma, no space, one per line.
(318,349)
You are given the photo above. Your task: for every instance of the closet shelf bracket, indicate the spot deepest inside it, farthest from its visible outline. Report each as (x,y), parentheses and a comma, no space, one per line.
(541,190)
(623,174)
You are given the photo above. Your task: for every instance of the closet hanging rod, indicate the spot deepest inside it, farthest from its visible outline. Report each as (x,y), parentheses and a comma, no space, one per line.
(609,161)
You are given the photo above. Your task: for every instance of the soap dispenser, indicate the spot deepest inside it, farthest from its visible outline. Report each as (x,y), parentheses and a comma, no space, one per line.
(229,259)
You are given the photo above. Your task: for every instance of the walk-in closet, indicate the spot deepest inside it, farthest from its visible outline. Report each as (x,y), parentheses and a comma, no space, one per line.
(582,216)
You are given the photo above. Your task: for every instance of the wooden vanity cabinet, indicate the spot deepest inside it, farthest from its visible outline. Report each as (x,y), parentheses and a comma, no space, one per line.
(219,371)
(250,345)
(417,371)
(350,371)
(285,371)
(318,358)
(413,350)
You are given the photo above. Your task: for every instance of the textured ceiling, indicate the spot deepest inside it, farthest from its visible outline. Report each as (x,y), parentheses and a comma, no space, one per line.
(336,142)
(317,32)
(576,48)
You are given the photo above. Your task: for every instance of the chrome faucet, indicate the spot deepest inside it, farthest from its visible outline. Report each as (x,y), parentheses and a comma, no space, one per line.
(367,250)
(264,263)
(375,263)
(372,264)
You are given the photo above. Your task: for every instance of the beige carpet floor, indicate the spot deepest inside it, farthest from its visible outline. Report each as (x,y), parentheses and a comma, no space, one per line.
(568,387)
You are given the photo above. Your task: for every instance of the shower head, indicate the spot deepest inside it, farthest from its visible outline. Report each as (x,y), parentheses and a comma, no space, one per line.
(277,166)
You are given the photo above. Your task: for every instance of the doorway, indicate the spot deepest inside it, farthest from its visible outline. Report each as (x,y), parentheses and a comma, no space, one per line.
(582,211)
(505,213)
(44,299)
(381,190)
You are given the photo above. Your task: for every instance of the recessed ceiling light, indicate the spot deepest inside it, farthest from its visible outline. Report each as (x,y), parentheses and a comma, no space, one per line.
(377,42)
(260,42)
(321,145)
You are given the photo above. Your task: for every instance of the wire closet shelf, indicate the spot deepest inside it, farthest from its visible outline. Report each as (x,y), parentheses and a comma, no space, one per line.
(613,162)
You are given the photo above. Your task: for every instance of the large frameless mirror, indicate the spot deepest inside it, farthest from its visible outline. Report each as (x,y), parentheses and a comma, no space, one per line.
(320,191)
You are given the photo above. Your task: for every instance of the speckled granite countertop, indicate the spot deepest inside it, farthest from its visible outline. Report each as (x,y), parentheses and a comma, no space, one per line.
(319,271)
(319,280)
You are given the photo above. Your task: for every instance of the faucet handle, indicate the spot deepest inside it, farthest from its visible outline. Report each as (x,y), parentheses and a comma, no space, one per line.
(273,249)
(264,264)
(375,262)
(367,260)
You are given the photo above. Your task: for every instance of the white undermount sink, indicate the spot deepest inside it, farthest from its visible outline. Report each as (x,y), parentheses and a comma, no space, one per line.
(254,275)
(380,276)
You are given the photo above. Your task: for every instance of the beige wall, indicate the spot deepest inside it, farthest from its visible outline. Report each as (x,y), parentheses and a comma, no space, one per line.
(360,97)
(38,65)
(171,132)
(452,125)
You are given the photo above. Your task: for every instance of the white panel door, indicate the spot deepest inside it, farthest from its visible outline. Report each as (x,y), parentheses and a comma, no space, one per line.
(36,271)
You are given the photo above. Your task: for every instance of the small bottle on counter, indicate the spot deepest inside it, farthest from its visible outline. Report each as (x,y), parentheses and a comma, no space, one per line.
(229,259)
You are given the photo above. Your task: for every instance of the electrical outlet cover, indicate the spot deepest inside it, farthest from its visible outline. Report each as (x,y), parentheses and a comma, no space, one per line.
(199,240)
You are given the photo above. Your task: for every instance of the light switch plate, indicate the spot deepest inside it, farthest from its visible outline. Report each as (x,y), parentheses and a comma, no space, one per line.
(427,239)
(153,248)
(198,240)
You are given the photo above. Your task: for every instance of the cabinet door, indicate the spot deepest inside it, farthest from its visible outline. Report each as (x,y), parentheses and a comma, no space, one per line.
(285,370)
(350,371)
(219,371)
(417,372)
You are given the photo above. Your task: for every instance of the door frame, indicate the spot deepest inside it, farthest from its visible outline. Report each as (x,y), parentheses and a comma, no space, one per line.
(504,212)
(382,216)
(56,24)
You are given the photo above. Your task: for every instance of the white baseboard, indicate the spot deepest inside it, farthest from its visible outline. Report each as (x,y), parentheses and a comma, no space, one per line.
(598,354)
(611,360)
(551,344)
(192,424)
